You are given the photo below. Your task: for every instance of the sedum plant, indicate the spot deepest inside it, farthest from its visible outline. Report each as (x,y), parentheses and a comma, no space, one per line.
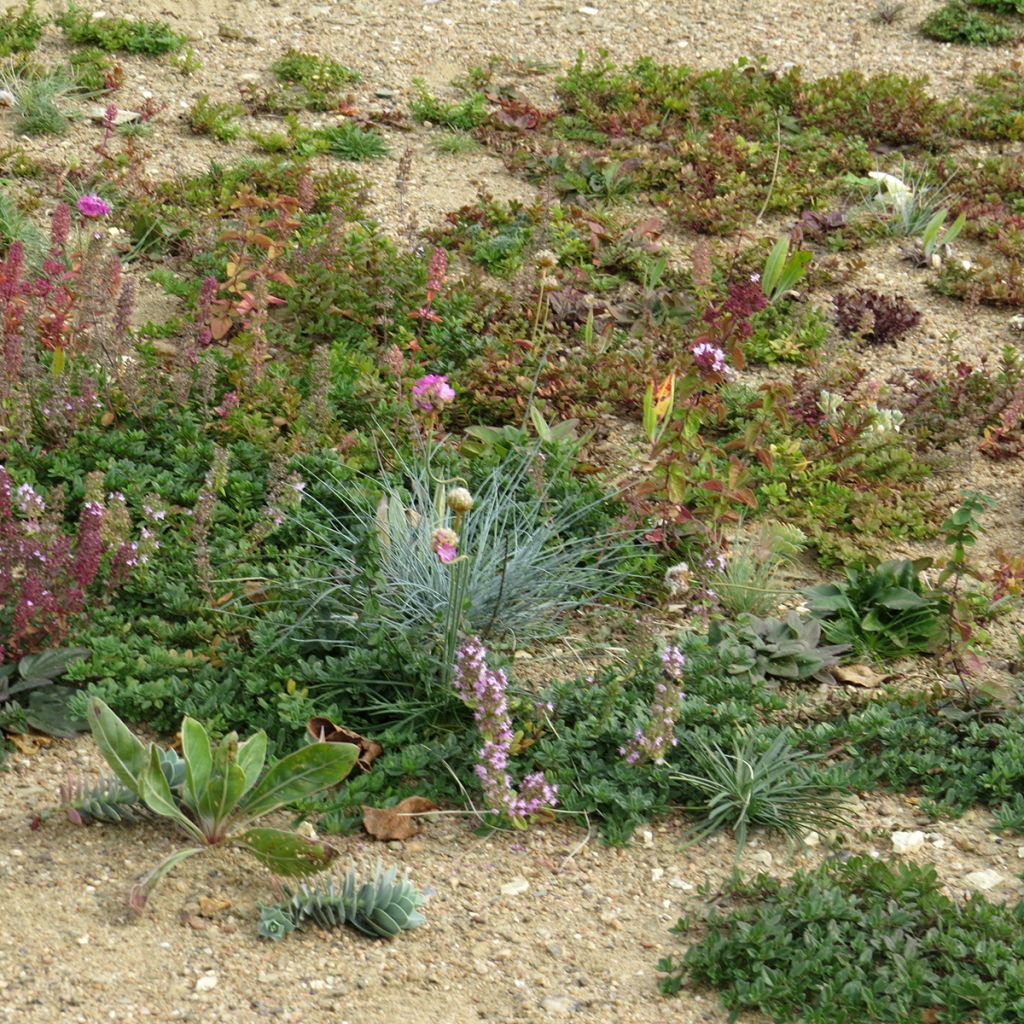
(224,791)
(775,649)
(380,908)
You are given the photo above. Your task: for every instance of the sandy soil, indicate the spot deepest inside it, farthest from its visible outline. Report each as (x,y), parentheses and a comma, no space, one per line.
(532,927)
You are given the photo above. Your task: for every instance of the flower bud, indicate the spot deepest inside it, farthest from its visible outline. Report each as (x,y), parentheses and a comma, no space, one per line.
(459,500)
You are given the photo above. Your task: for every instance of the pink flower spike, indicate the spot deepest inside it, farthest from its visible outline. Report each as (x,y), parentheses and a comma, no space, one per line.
(93,206)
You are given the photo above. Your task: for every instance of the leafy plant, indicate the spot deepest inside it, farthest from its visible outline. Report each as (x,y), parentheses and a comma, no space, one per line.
(42,709)
(864,940)
(775,649)
(776,788)
(381,907)
(224,792)
(783,270)
(935,237)
(884,613)
(20,29)
(955,752)
(349,141)
(310,82)
(128,35)
(876,318)
(746,582)
(217,119)
(464,115)
(455,143)
(957,23)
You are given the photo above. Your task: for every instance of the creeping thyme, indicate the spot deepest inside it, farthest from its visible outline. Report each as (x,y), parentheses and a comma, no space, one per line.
(653,741)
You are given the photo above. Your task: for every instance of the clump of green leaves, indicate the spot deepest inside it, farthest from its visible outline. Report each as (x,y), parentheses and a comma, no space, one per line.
(957,753)
(775,649)
(37,102)
(40,704)
(346,141)
(94,70)
(885,612)
(309,82)
(125,35)
(958,23)
(857,941)
(381,907)
(205,117)
(465,115)
(777,787)
(20,29)
(746,582)
(224,791)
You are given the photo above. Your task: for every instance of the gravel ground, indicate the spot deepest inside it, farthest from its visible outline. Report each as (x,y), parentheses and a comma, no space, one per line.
(520,928)
(532,927)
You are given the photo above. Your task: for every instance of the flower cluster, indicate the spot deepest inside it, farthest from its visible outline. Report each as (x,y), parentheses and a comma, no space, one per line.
(484,690)
(711,358)
(652,742)
(432,392)
(47,576)
(93,206)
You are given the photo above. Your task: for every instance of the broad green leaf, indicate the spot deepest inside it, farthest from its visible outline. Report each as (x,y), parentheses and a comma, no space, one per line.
(155,793)
(252,754)
(900,599)
(223,790)
(140,893)
(287,853)
(773,266)
(195,747)
(300,774)
(126,754)
(49,664)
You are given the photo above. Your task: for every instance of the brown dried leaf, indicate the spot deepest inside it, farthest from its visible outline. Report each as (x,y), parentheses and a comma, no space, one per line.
(858,675)
(387,823)
(323,730)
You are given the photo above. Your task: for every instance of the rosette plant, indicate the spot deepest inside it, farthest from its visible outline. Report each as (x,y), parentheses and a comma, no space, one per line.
(223,792)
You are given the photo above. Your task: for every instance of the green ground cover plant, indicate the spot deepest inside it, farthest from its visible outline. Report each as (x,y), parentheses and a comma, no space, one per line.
(20,29)
(125,35)
(860,939)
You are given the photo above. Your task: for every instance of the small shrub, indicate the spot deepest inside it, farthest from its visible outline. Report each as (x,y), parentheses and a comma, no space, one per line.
(125,35)
(20,30)
(217,119)
(958,23)
(875,318)
(855,942)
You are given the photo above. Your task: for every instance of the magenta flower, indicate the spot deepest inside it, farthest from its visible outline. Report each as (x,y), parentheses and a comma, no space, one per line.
(432,392)
(444,544)
(93,206)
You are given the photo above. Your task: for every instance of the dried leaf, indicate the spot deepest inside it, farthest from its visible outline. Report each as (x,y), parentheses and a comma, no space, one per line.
(858,675)
(323,730)
(388,823)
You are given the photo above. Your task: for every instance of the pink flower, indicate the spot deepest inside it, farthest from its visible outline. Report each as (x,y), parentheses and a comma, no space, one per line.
(92,206)
(432,392)
(444,543)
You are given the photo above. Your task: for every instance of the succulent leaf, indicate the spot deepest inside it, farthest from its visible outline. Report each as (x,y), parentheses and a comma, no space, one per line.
(381,908)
